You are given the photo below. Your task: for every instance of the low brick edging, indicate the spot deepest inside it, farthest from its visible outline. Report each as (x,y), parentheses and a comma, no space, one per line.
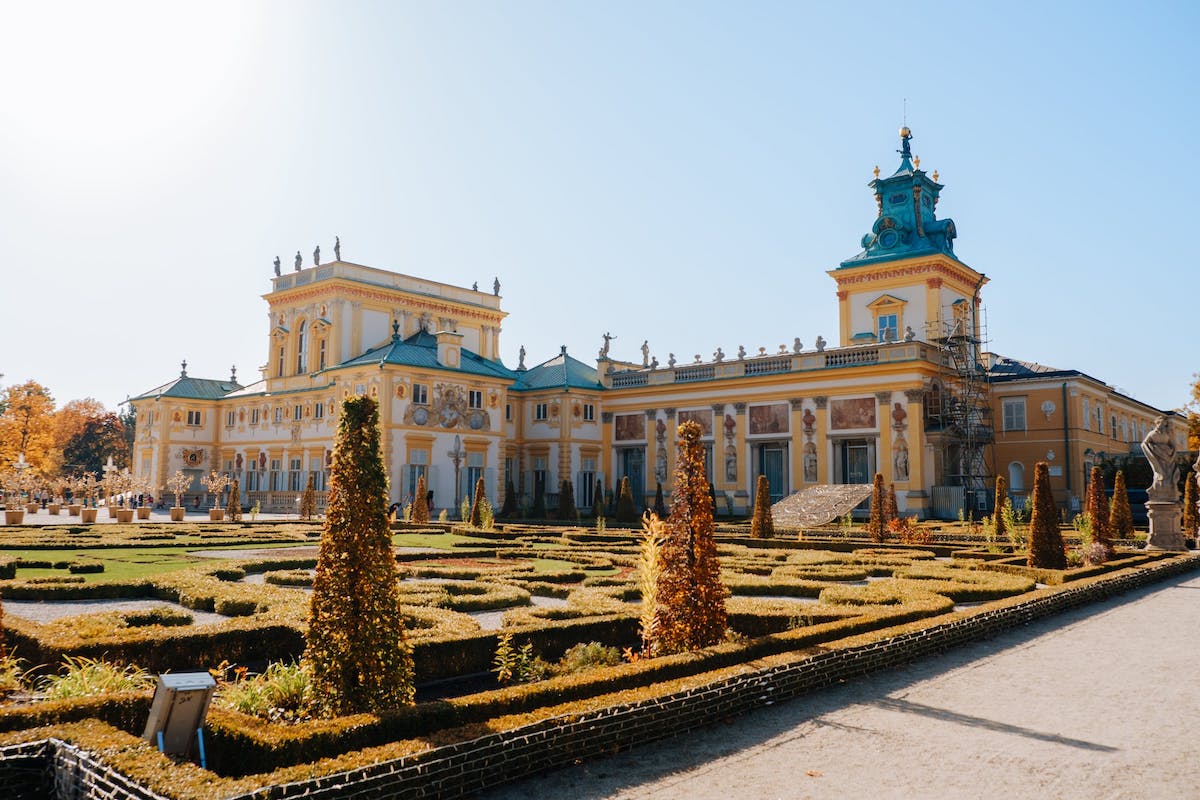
(467,767)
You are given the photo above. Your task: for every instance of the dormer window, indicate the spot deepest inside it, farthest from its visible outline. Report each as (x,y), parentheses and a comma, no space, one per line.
(889,317)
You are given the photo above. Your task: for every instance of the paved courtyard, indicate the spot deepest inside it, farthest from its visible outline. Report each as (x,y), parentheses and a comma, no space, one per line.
(1102,702)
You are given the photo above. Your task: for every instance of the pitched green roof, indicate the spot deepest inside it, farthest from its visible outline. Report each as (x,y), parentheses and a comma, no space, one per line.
(562,371)
(190,388)
(420,350)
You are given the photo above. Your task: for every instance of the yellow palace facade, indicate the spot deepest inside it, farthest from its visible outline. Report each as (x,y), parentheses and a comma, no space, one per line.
(908,390)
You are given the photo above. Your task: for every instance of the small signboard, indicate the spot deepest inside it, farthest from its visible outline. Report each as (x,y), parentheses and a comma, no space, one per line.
(177,711)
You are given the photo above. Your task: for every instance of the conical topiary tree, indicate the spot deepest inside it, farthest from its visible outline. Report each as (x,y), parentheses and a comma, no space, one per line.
(308,500)
(762,524)
(690,598)
(876,525)
(660,507)
(477,504)
(626,511)
(1046,549)
(235,502)
(356,650)
(538,511)
(891,510)
(1191,519)
(566,501)
(1097,511)
(509,509)
(598,499)
(998,512)
(420,504)
(1120,517)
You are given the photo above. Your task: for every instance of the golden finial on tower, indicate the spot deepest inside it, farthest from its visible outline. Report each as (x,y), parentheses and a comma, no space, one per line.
(876,171)
(935,176)
(917,162)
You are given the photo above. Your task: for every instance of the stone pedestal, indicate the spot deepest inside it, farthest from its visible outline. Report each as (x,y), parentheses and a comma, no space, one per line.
(1165,520)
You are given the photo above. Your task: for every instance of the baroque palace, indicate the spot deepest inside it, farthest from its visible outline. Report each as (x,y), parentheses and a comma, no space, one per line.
(909,390)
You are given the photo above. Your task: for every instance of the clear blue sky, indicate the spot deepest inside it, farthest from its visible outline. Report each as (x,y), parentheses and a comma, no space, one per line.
(682,172)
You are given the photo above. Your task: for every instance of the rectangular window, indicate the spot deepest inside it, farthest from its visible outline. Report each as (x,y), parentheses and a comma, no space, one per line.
(1087,415)
(1099,420)
(474,399)
(539,475)
(507,411)
(1112,429)
(277,474)
(420,394)
(539,411)
(193,418)
(279,365)
(474,473)
(278,415)
(419,460)
(254,416)
(252,476)
(1014,413)
(321,354)
(319,411)
(230,418)
(586,490)
(297,412)
(316,471)
(295,475)
(887,327)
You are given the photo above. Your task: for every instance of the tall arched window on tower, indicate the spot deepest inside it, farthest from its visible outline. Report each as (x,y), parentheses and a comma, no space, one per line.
(302,349)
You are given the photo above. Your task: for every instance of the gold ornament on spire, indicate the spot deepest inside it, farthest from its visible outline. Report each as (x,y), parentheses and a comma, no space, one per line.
(876,171)
(935,176)
(917,162)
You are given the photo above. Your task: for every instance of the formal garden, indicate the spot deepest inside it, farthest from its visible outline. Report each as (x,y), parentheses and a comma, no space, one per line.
(353,649)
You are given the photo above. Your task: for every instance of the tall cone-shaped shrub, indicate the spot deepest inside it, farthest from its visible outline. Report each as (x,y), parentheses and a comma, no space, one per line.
(598,499)
(566,501)
(235,502)
(1097,509)
(420,504)
(891,510)
(477,503)
(308,500)
(876,525)
(660,506)
(509,509)
(1120,517)
(762,524)
(1190,517)
(355,648)
(690,599)
(998,510)
(649,568)
(1046,549)
(626,512)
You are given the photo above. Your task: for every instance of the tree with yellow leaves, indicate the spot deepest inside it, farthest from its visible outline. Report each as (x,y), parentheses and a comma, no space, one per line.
(356,649)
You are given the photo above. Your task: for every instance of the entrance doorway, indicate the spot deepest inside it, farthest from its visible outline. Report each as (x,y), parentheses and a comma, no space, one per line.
(772,462)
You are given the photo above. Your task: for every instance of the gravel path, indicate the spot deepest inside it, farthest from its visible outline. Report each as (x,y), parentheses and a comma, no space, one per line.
(1100,702)
(45,611)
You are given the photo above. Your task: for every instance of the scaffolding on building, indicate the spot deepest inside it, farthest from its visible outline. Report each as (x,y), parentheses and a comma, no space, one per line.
(960,410)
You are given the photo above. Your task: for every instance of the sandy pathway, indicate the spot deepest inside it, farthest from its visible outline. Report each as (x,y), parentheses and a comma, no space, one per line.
(1096,703)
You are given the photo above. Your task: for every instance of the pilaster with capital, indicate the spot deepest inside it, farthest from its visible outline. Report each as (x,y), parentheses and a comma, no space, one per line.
(824,453)
(883,408)
(918,498)
(796,443)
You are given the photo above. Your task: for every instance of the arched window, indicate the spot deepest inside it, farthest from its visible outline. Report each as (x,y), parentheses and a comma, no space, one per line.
(302,349)
(1016,477)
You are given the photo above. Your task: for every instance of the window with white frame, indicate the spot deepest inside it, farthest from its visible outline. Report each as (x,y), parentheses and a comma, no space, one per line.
(279,364)
(297,412)
(1014,413)
(589,412)
(295,474)
(1099,419)
(474,472)
(194,418)
(255,415)
(1112,426)
(420,394)
(230,419)
(321,354)
(277,475)
(316,471)
(279,415)
(474,398)
(302,349)
(887,327)
(1087,415)
(539,411)
(319,411)
(507,411)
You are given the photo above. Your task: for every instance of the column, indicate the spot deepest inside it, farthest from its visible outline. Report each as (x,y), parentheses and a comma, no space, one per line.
(741,494)
(608,458)
(917,496)
(670,439)
(824,454)
(646,498)
(796,446)
(882,417)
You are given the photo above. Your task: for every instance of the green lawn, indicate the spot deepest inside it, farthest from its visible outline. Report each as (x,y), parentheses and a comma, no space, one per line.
(441,541)
(127,563)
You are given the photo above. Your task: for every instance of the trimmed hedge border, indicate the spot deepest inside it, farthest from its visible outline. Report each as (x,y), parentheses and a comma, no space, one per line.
(466,767)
